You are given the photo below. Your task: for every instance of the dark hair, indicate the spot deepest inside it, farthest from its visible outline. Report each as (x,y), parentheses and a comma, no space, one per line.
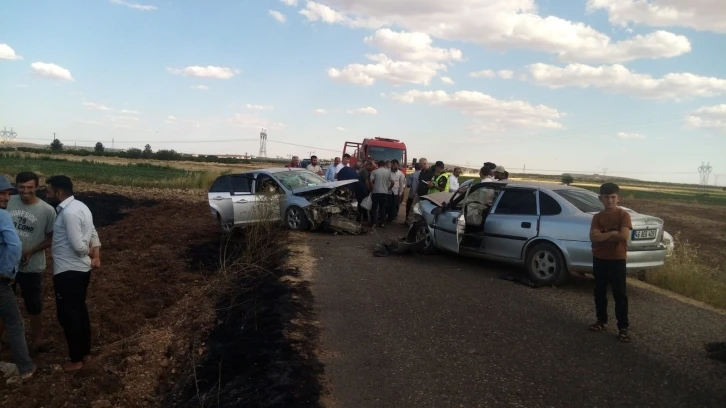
(485,171)
(61,183)
(395,161)
(347,156)
(491,165)
(381,163)
(439,164)
(506,175)
(27,176)
(609,188)
(417,166)
(313,157)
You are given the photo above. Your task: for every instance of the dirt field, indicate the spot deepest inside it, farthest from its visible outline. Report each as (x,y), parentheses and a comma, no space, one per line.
(167,326)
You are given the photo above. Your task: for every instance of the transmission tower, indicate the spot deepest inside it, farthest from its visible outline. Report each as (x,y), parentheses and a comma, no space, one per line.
(263,143)
(704,170)
(7,136)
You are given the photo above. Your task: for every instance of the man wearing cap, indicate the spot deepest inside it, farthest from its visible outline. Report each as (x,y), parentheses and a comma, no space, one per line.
(11,252)
(499,173)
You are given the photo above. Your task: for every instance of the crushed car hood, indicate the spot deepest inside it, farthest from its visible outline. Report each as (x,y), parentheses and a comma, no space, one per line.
(438,198)
(322,187)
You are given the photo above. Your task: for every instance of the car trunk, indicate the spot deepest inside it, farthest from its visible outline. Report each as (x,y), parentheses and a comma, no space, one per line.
(647,231)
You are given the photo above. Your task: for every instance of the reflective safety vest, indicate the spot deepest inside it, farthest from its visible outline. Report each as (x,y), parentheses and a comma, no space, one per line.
(436,181)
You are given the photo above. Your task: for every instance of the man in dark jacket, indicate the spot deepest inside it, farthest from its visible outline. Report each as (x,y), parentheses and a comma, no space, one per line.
(427,173)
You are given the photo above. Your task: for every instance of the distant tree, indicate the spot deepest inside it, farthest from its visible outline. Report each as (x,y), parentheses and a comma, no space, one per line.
(167,155)
(56,146)
(99,148)
(134,153)
(148,152)
(567,179)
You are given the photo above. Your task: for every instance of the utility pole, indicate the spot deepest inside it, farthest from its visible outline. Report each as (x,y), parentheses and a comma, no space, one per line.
(704,170)
(53,137)
(524,169)
(113,143)
(605,171)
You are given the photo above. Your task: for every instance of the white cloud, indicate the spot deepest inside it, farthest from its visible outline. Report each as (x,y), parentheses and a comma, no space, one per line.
(630,136)
(410,46)
(123,122)
(498,24)
(206,72)
(320,111)
(136,6)
(289,2)
(385,69)
(277,16)
(7,53)
(703,15)
(366,111)
(171,120)
(244,120)
(340,128)
(447,80)
(709,117)
(96,106)
(259,107)
(130,112)
(200,87)
(505,74)
(619,79)
(50,71)
(488,73)
(490,114)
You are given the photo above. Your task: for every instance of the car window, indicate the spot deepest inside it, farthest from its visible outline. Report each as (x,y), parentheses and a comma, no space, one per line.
(517,201)
(296,179)
(459,195)
(266,184)
(221,185)
(583,200)
(548,205)
(241,184)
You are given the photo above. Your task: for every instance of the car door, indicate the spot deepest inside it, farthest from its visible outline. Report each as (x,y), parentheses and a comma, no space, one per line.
(513,221)
(243,201)
(449,224)
(268,195)
(220,199)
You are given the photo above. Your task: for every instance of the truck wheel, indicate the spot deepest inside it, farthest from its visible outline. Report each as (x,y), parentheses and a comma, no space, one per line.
(418,231)
(546,265)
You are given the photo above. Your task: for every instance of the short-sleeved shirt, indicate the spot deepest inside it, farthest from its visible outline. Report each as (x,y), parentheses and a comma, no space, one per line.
(399,182)
(32,222)
(315,168)
(381,179)
(606,221)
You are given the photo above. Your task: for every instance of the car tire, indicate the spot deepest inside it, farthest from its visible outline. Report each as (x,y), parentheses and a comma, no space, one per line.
(546,265)
(419,230)
(296,219)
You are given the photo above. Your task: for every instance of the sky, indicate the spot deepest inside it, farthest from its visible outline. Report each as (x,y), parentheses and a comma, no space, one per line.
(631,88)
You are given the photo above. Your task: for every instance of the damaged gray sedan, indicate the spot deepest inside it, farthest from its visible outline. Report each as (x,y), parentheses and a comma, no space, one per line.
(302,200)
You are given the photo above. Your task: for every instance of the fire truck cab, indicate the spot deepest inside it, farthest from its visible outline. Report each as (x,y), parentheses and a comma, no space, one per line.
(377,148)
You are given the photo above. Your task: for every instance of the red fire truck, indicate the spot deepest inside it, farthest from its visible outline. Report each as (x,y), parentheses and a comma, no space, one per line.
(377,148)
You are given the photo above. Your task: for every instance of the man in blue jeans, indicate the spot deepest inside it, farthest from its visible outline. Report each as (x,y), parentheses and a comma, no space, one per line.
(11,251)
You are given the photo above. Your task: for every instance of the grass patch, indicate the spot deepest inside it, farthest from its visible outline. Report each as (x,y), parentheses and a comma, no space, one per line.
(684,274)
(130,174)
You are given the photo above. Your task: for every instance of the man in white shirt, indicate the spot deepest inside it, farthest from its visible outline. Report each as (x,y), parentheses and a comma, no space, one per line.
(314,166)
(333,169)
(454,180)
(399,187)
(74,242)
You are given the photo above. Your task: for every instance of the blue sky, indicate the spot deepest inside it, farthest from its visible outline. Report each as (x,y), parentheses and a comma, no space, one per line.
(634,87)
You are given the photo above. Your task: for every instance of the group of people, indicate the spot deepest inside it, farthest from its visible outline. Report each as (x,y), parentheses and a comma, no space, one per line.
(28,227)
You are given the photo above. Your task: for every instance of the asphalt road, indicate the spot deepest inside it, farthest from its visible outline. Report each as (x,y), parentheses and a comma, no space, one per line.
(444,331)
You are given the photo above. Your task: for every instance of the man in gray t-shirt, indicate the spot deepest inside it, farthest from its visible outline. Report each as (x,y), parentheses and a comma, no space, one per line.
(382,183)
(34,220)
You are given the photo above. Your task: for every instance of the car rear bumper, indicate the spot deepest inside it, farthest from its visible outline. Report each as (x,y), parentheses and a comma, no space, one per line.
(579,258)
(641,260)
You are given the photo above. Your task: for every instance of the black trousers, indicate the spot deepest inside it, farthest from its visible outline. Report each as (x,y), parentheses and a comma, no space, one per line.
(612,272)
(70,301)
(409,203)
(378,209)
(392,212)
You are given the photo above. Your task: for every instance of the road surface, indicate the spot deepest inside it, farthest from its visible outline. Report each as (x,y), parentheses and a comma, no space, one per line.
(444,331)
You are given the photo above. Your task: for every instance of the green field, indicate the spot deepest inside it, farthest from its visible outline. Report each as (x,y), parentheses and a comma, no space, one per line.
(132,174)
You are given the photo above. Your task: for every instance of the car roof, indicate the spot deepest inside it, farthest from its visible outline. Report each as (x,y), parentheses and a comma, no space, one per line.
(538,184)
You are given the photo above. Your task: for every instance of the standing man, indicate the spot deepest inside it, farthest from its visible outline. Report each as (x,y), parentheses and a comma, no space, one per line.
(333,169)
(399,187)
(499,173)
(422,188)
(382,183)
(411,183)
(314,166)
(74,239)
(11,251)
(33,219)
(454,180)
(440,181)
(343,164)
(609,233)
(294,162)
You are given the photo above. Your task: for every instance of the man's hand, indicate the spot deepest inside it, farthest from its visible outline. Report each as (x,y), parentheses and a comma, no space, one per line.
(26,257)
(95,263)
(430,183)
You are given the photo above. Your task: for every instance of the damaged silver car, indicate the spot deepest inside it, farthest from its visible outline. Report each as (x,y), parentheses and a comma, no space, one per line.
(302,200)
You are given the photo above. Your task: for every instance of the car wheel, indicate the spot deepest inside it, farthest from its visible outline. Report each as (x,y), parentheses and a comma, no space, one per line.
(420,231)
(296,219)
(546,265)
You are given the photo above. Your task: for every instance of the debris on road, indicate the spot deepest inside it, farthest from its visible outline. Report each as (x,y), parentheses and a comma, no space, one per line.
(396,246)
(522,280)
(338,223)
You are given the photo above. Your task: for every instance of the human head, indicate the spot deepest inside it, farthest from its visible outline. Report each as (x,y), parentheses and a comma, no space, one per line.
(506,175)
(499,172)
(457,172)
(295,161)
(346,159)
(394,165)
(485,171)
(336,161)
(439,167)
(424,163)
(27,184)
(6,190)
(59,188)
(369,165)
(387,164)
(314,160)
(381,163)
(357,165)
(609,195)
(417,166)
(491,165)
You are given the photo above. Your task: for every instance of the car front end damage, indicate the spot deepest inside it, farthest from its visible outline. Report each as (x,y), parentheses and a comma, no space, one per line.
(335,209)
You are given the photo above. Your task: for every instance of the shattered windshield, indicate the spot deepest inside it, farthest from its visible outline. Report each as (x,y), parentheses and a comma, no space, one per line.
(296,179)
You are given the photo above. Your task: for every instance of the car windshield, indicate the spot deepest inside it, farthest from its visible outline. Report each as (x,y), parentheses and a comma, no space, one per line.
(296,179)
(583,200)
(385,153)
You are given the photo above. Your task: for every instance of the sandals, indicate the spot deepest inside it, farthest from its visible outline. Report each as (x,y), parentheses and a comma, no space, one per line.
(622,333)
(597,327)
(623,336)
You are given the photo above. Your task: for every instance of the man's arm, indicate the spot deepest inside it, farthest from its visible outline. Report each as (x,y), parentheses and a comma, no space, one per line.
(13,253)
(75,234)
(626,225)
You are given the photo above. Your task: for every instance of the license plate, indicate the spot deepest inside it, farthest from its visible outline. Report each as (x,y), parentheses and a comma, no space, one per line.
(644,234)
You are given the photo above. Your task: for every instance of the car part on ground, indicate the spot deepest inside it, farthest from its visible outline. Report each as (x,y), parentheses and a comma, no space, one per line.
(396,246)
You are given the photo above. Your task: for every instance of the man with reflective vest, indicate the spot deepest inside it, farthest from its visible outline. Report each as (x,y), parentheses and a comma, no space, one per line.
(440,181)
